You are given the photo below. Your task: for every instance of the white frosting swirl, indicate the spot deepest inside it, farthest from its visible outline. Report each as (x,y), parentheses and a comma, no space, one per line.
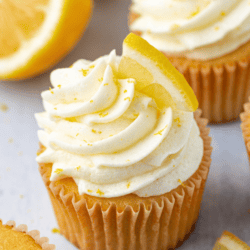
(204,29)
(112,139)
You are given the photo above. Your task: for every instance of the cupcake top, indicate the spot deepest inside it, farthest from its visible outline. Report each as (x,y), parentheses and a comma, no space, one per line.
(12,238)
(200,30)
(112,134)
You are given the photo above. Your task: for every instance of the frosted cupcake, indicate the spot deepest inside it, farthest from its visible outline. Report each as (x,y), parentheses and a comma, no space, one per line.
(123,155)
(12,237)
(208,41)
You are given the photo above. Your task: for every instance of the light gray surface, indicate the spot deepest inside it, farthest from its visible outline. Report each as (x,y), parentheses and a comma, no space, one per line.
(226,199)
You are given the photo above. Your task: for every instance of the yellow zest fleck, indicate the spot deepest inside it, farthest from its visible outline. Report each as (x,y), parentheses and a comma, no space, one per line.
(3,107)
(58,171)
(128,185)
(78,168)
(177,119)
(196,12)
(75,99)
(99,192)
(85,141)
(222,13)
(127,98)
(94,131)
(121,139)
(125,91)
(91,101)
(130,81)
(148,31)
(158,113)
(217,28)
(91,66)
(103,114)
(89,144)
(115,153)
(181,183)
(77,134)
(100,79)
(55,231)
(10,140)
(99,132)
(127,160)
(55,108)
(174,166)
(51,91)
(160,132)
(105,84)
(71,119)
(174,27)
(90,191)
(59,86)
(84,72)
(147,115)
(110,135)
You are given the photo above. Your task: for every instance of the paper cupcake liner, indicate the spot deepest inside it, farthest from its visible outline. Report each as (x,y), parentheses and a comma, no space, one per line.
(221,90)
(158,222)
(35,234)
(245,126)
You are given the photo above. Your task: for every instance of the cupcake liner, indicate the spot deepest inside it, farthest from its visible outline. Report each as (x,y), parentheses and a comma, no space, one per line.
(35,234)
(158,222)
(245,125)
(221,89)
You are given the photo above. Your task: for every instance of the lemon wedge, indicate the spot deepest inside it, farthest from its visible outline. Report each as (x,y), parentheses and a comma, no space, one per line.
(155,75)
(35,35)
(229,241)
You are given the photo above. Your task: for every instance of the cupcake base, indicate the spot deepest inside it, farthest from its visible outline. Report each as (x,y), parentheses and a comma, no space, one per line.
(129,222)
(221,85)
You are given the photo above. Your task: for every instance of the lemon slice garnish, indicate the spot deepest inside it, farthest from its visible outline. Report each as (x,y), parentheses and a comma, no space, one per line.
(229,241)
(155,75)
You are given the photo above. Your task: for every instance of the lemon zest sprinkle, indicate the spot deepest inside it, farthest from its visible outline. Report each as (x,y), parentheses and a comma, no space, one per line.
(196,12)
(103,115)
(94,131)
(90,191)
(91,101)
(78,168)
(128,185)
(99,192)
(125,91)
(75,99)
(105,84)
(130,81)
(160,132)
(55,108)
(77,134)
(91,66)
(51,91)
(99,132)
(181,183)
(222,13)
(84,72)
(127,160)
(127,98)
(100,79)
(85,141)
(59,86)
(89,144)
(55,231)
(58,171)
(174,26)
(217,28)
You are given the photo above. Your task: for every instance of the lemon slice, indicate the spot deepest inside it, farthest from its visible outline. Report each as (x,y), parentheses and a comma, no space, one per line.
(155,75)
(36,34)
(229,241)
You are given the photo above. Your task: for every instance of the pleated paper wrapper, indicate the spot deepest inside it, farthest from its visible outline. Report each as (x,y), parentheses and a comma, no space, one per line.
(221,86)
(158,222)
(43,242)
(245,126)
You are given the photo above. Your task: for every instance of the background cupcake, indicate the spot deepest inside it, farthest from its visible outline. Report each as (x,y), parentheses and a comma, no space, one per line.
(12,237)
(208,41)
(124,167)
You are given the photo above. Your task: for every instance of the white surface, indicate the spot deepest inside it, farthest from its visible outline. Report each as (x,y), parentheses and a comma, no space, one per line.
(226,200)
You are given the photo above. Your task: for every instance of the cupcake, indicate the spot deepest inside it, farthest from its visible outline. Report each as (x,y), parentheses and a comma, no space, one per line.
(123,153)
(245,125)
(12,237)
(208,42)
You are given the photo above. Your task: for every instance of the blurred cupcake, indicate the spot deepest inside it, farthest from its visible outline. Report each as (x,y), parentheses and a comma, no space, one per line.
(208,41)
(123,156)
(245,126)
(12,237)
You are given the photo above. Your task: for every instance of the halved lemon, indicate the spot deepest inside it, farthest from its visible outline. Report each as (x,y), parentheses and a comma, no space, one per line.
(229,241)
(155,75)
(36,34)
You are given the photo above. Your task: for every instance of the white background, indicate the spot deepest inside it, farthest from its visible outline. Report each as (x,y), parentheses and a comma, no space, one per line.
(23,197)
